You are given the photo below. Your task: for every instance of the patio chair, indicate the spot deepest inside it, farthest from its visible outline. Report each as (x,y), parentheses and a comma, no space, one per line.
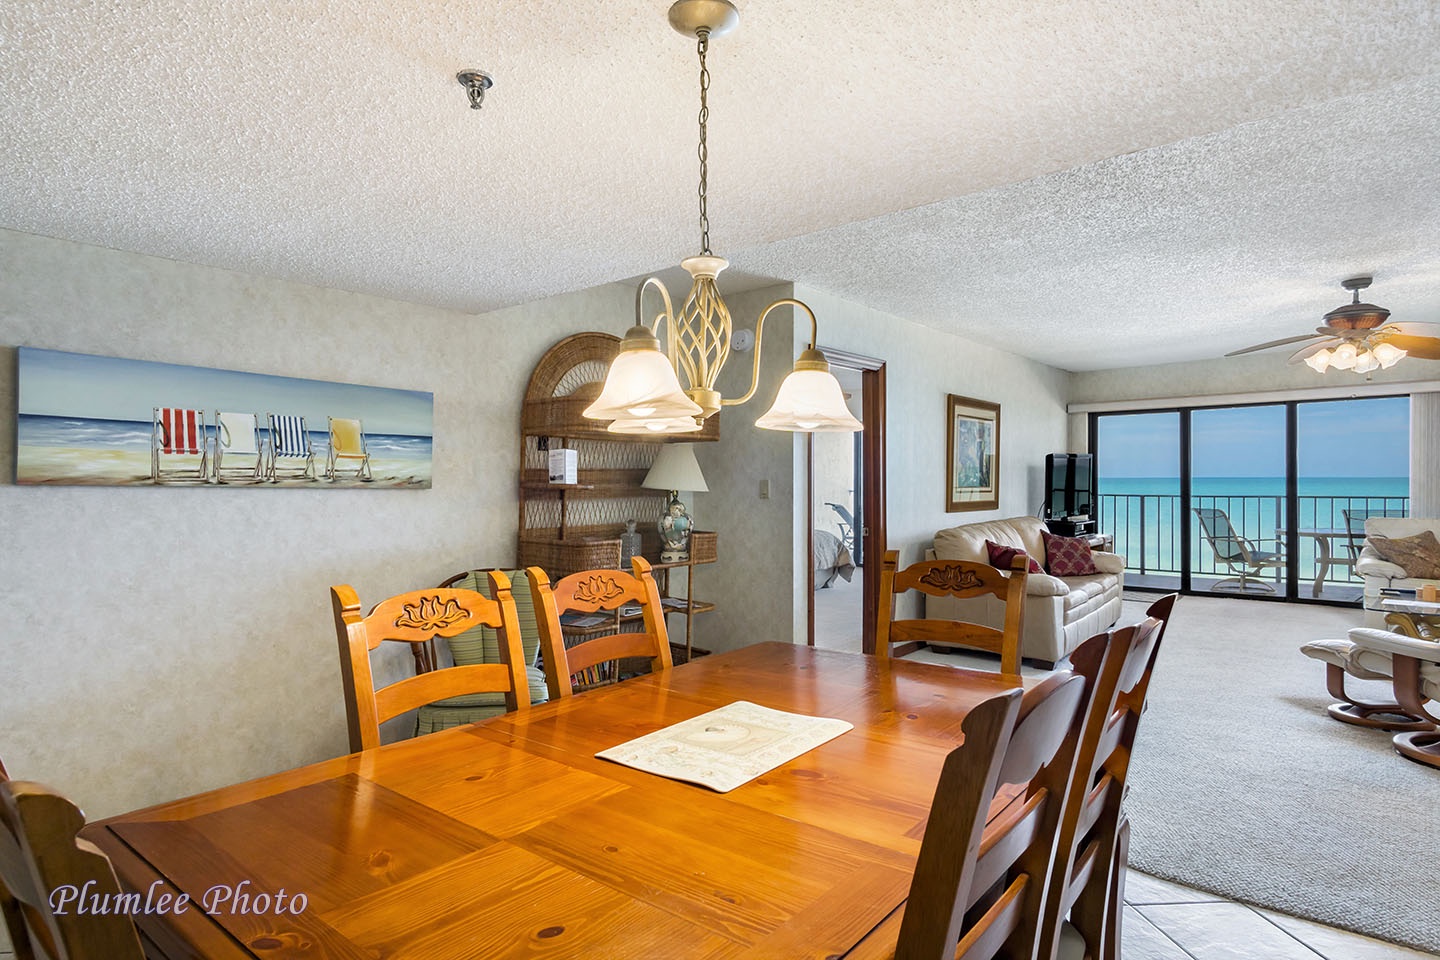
(178,434)
(347,442)
(1240,555)
(237,439)
(1355,527)
(289,441)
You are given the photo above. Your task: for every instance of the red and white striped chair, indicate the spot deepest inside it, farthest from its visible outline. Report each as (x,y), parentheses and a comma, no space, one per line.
(179,445)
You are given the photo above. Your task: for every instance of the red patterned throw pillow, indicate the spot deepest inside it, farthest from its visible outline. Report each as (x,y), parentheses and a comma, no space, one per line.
(1068,556)
(1002,556)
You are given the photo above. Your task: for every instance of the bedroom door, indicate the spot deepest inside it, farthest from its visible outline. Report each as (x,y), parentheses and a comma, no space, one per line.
(846,503)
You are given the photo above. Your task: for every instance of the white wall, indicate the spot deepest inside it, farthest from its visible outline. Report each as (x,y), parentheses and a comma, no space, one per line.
(161,641)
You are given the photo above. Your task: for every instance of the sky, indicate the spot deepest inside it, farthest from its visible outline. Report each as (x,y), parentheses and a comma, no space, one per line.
(1336,438)
(58,384)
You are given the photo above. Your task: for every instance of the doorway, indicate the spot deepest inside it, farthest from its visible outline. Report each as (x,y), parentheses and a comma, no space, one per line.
(845,513)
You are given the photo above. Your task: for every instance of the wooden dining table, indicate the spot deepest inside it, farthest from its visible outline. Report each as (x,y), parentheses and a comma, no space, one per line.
(509,838)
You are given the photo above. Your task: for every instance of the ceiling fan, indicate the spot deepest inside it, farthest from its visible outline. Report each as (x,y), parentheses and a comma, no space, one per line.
(1356,337)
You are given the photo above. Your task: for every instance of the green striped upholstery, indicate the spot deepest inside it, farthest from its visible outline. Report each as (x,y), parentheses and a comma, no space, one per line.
(482,645)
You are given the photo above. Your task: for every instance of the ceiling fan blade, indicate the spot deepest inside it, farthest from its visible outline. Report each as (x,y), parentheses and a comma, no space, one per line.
(1305,352)
(1414,328)
(1424,348)
(1274,343)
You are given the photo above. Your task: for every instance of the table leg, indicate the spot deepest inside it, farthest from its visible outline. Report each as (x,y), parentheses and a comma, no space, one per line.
(1322,564)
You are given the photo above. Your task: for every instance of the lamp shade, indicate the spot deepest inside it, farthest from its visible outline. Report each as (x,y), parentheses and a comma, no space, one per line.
(657,426)
(809,401)
(641,384)
(676,469)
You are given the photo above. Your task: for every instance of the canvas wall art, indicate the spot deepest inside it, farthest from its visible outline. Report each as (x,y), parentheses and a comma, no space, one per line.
(972,466)
(108,421)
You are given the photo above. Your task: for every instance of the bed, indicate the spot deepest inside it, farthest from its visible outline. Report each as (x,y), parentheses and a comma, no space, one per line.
(831,559)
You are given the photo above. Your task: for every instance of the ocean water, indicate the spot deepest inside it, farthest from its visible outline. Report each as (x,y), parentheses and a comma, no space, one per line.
(1144,515)
(132,435)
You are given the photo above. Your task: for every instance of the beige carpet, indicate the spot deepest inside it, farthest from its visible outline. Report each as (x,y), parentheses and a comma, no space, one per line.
(1243,786)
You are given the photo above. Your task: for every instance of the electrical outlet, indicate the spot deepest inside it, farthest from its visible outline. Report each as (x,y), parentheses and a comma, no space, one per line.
(764,489)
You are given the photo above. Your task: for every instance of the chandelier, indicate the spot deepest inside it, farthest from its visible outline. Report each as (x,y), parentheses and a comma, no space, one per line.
(642,393)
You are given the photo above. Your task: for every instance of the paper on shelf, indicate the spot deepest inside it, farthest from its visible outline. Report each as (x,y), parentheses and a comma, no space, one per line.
(727,747)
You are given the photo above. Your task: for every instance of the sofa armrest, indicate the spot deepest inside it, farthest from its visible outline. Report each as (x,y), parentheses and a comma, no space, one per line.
(1108,562)
(1044,585)
(1369,564)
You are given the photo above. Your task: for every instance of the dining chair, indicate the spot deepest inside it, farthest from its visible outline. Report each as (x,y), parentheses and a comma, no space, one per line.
(347,442)
(481,644)
(416,618)
(954,578)
(1087,887)
(978,889)
(42,862)
(595,660)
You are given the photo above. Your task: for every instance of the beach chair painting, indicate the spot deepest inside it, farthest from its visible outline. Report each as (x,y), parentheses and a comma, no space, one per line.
(290,441)
(89,420)
(239,454)
(179,445)
(347,442)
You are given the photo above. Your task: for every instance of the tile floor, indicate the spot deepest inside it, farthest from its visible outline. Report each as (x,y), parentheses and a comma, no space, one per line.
(1165,921)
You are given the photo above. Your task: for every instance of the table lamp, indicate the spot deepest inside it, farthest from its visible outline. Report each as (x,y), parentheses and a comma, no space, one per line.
(675,469)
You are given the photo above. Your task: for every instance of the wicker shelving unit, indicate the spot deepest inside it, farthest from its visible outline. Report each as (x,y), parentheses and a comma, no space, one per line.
(570,527)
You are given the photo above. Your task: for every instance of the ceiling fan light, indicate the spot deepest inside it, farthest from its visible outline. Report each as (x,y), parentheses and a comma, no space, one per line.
(641,384)
(1365,362)
(1388,354)
(1319,361)
(810,401)
(1343,356)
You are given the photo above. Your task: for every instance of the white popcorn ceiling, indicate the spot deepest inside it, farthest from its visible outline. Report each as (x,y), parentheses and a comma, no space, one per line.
(1181,178)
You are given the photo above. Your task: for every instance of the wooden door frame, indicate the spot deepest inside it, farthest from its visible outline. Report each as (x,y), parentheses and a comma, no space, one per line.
(872,494)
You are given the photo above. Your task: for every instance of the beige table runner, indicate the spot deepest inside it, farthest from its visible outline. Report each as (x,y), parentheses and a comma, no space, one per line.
(726,747)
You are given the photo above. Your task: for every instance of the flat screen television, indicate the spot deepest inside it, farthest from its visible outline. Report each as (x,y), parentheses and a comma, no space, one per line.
(1069,484)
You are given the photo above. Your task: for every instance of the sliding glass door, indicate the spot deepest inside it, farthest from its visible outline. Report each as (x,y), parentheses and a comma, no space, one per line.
(1262,500)
(1237,499)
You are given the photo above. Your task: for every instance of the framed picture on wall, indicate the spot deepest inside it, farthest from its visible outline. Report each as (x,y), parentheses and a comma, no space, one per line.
(972,457)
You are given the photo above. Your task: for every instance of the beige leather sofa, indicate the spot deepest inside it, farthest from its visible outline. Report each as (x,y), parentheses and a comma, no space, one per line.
(1380,574)
(1060,613)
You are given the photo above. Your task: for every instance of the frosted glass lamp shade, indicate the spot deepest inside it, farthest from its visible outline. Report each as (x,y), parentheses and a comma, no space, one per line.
(676,469)
(1319,361)
(1388,354)
(810,401)
(656,426)
(641,384)
(1343,356)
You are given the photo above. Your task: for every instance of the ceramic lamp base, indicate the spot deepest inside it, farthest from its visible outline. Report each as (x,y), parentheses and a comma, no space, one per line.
(674,529)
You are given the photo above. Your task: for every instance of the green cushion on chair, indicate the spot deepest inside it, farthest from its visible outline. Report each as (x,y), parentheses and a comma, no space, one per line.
(482,645)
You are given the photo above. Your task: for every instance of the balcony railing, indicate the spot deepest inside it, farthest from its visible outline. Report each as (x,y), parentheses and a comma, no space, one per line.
(1146,528)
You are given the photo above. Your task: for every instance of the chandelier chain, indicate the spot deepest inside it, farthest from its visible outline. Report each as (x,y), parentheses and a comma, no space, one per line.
(702,46)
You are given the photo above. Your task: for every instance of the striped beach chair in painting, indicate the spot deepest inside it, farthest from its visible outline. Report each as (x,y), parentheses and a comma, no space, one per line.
(179,445)
(238,451)
(290,441)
